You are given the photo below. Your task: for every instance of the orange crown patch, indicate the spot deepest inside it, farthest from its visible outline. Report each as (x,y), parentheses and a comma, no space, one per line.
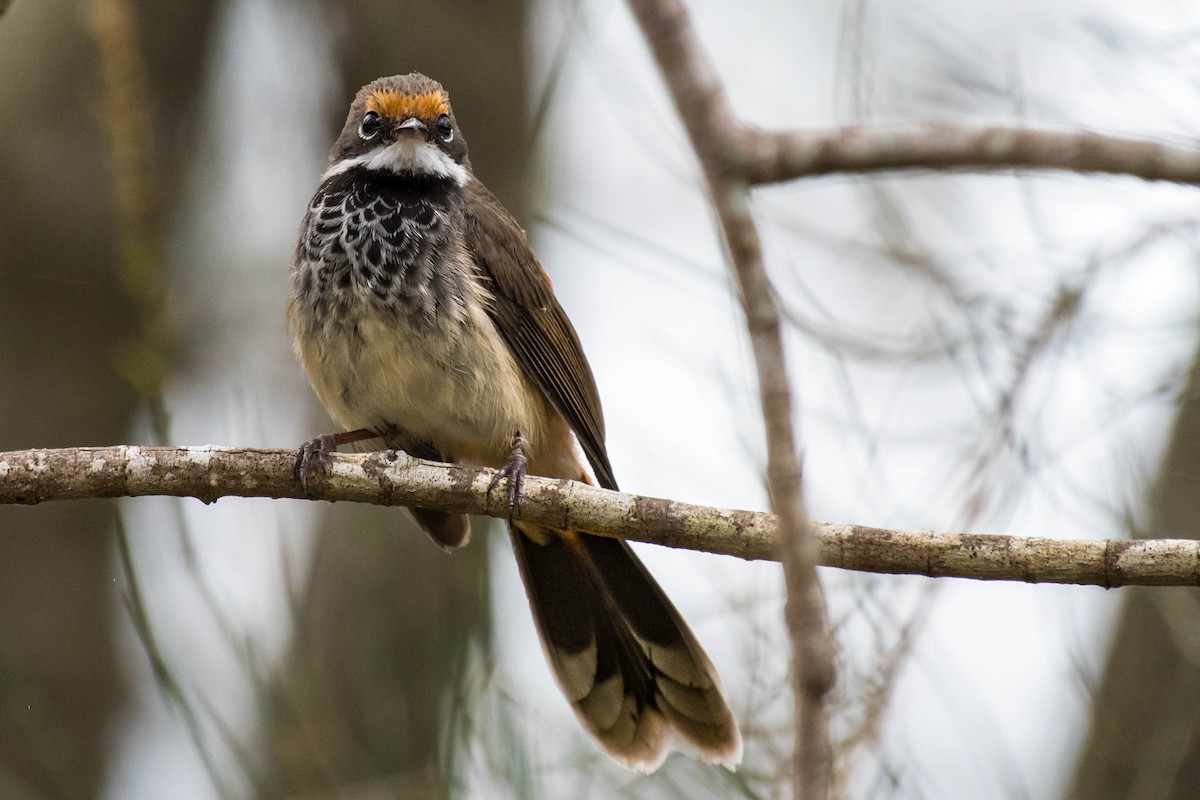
(388,103)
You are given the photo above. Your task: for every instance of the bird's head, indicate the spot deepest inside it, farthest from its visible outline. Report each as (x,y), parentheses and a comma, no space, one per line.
(403,124)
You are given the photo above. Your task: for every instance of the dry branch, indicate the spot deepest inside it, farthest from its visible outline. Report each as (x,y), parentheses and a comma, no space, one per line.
(708,118)
(395,479)
(765,157)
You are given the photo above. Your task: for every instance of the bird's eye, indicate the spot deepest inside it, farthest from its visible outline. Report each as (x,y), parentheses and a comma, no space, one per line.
(445,129)
(371,125)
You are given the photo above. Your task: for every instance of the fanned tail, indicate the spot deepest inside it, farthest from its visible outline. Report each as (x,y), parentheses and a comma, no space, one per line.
(628,663)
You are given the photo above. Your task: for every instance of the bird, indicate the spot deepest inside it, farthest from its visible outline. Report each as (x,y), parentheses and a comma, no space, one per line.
(424,320)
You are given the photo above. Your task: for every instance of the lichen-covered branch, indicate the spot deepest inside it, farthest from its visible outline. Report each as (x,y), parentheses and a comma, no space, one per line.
(388,478)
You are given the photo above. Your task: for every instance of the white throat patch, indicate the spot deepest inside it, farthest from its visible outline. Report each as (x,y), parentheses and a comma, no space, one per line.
(419,158)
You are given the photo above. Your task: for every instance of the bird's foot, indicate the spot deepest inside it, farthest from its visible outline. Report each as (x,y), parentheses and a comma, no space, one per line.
(313,456)
(514,471)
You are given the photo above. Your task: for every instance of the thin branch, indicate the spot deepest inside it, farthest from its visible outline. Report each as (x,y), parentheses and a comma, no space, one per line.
(395,479)
(764,157)
(708,118)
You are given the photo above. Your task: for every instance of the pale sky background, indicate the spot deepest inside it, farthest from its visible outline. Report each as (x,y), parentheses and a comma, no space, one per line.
(992,697)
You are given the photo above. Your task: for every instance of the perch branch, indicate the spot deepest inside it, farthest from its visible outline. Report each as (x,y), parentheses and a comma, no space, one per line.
(395,479)
(387,478)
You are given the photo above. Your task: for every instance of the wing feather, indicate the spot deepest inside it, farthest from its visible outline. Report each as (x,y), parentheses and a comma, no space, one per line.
(534,325)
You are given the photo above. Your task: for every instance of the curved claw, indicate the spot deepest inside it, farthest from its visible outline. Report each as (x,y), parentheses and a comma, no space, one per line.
(313,458)
(514,471)
(316,451)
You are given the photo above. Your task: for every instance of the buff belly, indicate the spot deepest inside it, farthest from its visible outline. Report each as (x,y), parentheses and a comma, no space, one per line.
(454,385)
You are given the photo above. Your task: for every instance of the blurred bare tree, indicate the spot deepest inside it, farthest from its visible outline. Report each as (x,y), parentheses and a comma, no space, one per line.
(1144,739)
(65,307)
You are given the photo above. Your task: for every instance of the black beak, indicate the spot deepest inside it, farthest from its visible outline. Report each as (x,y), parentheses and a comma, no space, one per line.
(411,127)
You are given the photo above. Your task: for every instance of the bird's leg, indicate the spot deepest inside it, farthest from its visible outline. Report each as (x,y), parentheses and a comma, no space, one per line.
(514,470)
(316,452)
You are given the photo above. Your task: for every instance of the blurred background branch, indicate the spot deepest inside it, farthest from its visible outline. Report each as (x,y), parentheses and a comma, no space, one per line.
(700,101)
(770,157)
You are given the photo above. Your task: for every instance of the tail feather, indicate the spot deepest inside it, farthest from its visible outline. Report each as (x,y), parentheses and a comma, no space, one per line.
(628,663)
(450,531)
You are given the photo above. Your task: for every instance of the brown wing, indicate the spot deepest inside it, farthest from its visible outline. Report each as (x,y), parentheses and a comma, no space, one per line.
(534,324)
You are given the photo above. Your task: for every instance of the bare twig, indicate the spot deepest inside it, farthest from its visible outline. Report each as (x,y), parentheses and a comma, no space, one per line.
(763,157)
(395,479)
(710,123)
